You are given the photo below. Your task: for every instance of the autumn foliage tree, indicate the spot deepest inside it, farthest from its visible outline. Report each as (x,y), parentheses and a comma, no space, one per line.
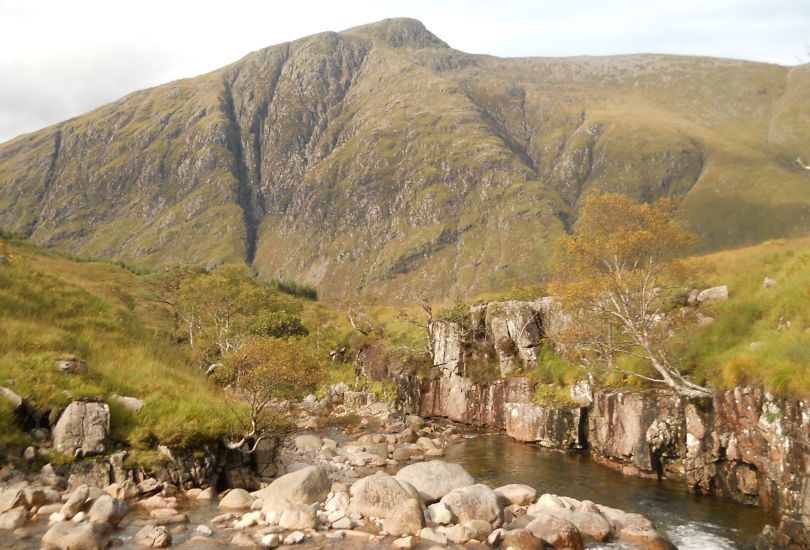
(265,372)
(618,275)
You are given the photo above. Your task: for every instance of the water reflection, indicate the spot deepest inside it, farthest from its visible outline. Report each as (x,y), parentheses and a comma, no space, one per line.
(690,521)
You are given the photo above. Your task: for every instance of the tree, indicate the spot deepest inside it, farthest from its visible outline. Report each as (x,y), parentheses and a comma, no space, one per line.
(618,275)
(265,372)
(220,305)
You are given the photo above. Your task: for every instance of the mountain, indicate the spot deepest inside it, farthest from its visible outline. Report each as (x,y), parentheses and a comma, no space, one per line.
(381,162)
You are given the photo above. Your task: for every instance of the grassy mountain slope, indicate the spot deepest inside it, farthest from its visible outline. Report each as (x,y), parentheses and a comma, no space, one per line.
(53,307)
(381,162)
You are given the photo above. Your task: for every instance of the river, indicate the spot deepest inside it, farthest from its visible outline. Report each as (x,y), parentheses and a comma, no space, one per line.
(691,522)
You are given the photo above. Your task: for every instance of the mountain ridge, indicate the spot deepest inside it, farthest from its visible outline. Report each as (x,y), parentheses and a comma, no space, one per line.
(379,161)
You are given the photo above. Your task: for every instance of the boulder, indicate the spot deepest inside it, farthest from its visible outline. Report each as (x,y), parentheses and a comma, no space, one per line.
(75,502)
(516,493)
(71,365)
(405,519)
(132,404)
(713,293)
(425,444)
(308,443)
(11,498)
(236,499)
(520,539)
(77,536)
(377,495)
(556,532)
(435,479)
(207,494)
(7,394)
(459,534)
(295,537)
(304,486)
(438,513)
(475,502)
(153,536)
(431,535)
(82,429)
(481,529)
(515,329)
(298,516)
(13,519)
(592,525)
(107,509)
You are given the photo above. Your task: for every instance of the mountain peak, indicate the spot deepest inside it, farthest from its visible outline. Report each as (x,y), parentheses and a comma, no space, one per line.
(400,32)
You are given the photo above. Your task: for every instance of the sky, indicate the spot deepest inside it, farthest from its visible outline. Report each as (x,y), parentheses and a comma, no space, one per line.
(62,58)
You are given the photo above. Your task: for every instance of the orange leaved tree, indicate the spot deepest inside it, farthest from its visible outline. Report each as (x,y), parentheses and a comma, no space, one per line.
(617,277)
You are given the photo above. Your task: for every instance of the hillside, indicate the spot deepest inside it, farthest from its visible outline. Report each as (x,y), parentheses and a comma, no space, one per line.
(381,162)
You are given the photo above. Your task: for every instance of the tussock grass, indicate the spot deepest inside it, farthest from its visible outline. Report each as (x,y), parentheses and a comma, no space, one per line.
(52,307)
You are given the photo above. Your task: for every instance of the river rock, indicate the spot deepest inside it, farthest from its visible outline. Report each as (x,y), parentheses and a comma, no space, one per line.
(305,486)
(11,498)
(377,495)
(77,536)
(405,519)
(241,540)
(153,536)
(474,502)
(435,479)
(516,493)
(431,535)
(75,502)
(556,532)
(82,429)
(308,443)
(520,539)
(438,513)
(298,516)
(13,519)
(207,494)
(236,499)
(593,526)
(107,509)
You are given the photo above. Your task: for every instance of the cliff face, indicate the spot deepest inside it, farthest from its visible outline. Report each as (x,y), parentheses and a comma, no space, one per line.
(359,161)
(743,444)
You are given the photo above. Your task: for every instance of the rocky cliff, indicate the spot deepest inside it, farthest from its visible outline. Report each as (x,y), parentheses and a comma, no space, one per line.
(743,444)
(358,161)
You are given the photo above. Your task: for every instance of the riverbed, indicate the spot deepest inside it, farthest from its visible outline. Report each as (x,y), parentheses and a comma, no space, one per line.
(690,521)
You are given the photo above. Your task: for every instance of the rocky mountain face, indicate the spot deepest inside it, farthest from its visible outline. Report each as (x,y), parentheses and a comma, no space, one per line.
(380,161)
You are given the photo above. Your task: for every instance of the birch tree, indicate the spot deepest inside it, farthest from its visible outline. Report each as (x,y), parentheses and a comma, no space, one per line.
(618,275)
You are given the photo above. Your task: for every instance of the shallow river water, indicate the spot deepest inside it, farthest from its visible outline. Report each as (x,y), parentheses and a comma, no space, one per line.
(691,522)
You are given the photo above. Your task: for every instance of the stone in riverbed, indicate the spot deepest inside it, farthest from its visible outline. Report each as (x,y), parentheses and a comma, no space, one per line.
(438,513)
(405,519)
(516,493)
(13,519)
(520,539)
(75,503)
(435,479)
(377,495)
(11,498)
(298,516)
(107,509)
(556,532)
(77,536)
(431,535)
(153,536)
(474,502)
(236,499)
(305,486)
(308,443)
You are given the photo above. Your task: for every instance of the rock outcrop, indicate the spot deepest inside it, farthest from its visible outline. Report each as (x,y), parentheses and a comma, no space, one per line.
(82,429)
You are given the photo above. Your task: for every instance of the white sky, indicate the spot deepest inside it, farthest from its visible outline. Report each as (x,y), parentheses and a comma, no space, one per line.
(62,58)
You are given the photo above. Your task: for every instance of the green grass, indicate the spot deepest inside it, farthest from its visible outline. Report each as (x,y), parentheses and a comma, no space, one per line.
(776,319)
(53,307)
